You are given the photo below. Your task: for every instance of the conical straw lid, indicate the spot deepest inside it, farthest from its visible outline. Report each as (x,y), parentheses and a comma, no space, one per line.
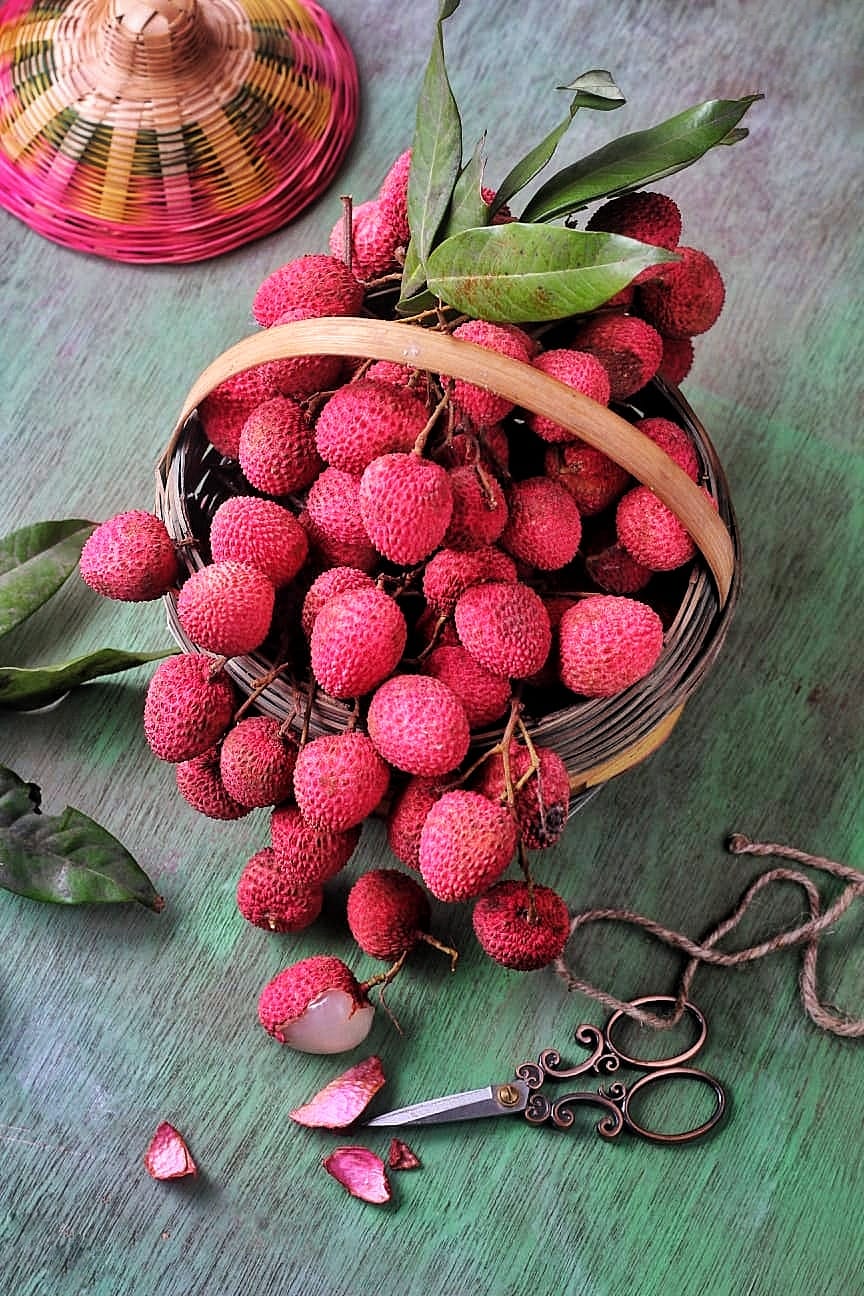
(169,130)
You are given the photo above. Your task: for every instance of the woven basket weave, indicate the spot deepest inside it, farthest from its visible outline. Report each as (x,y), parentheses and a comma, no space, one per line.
(597,738)
(169,130)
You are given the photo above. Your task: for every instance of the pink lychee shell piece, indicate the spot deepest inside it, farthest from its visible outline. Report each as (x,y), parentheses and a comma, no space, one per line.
(402,1157)
(167,1156)
(342,1100)
(361,1172)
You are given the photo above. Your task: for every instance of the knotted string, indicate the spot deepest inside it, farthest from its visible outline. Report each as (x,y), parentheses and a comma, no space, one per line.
(806,934)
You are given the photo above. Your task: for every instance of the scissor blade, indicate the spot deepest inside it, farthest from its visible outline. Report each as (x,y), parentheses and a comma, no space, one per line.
(494,1100)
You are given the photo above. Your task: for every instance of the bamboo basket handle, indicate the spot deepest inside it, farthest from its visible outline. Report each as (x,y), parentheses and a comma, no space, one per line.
(527,387)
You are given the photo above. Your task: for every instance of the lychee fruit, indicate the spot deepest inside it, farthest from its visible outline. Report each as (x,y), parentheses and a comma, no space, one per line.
(650,531)
(648,217)
(406,503)
(393,197)
(477,403)
(479,508)
(607,644)
(505,627)
(357,641)
(629,348)
(336,580)
(542,803)
(189,705)
(675,441)
(223,411)
(306,853)
(333,504)
(277,448)
(418,724)
(321,282)
(616,572)
(130,557)
(365,419)
(395,374)
(591,477)
(521,928)
(406,817)
(265,899)
(330,552)
(544,527)
(677,360)
(450,572)
(226,607)
(466,844)
(301,375)
(388,912)
(257,761)
(316,1006)
(374,240)
(262,534)
(483,695)
(200,783)
(339,780)
(577,369)
(685,297)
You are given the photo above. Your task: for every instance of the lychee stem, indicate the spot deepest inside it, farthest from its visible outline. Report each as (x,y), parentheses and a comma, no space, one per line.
(361,371)
(354,716)
(433,640)
(384,978)
(531,914)
(307,712)
(258,688)
(420,443)
(445,949)
(382,280)
(347,230)
(497,749)
(485,485)
(216,666)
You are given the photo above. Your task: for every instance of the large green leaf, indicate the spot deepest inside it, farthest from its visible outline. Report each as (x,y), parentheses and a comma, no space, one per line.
(467,209)
(638,159)
(34,563)
(413,276)
(594,89)
(63,859)
(436,150)
(24,689)
(520,273)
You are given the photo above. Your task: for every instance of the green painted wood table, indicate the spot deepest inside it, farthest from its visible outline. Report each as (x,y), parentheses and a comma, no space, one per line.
(114,1019)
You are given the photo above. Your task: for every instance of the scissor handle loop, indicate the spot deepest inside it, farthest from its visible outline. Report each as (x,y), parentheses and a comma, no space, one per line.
(657,1064)
(675,1073)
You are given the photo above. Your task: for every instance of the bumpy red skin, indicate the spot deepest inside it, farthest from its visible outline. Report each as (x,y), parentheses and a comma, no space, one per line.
(289,994)
(544,528)
(419,725)
(483,695)
(675,441)
(677,360)
(365,419)
(577,369)
(374,241)
(395,375)
(339,780)
(308,855)
(684,298)
(542,804)
(301,375)
(265,899)
(483,407)
(130,557)
(189,706)
(330,552)
(593,479)
(336,580)
(393,196)
(505,627)
(648,217)
(450,572)
(406,504)
(650,532)
(466,844)
(503,929)
(257,762)
(276,448)
(226,608)
(607,644)
(407,815)
(226,409)
(479,509)
(200,783)
(317,280)
(629,348)
(488,446)
(357,640)
(616,572)
(261,533)
(333,504)
(387,912)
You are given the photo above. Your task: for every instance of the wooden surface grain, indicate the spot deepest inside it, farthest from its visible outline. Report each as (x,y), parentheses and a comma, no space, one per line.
(112,1021)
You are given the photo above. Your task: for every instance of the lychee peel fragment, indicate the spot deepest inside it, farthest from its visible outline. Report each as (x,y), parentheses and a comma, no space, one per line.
(167,1156)
(361,1172)
(340,1102)
(402,1157)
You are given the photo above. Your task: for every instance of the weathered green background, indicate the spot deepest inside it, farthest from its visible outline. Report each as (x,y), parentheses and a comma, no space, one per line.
(112,1021)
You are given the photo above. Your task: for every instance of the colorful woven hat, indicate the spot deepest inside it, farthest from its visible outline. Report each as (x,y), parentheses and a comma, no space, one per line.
(169,130)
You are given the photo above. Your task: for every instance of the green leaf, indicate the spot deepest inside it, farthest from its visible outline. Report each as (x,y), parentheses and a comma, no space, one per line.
(34,563)
(467,208)
(638,159)
(413,274)
(519,273)
(436,154)
(596,89)
(63,859)
(24,689)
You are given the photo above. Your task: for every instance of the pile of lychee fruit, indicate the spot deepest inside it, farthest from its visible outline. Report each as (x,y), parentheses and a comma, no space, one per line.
(445,565)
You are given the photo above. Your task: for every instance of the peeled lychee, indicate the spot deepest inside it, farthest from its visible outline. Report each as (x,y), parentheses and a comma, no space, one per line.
(466,844)
(365,419)
(629,348)
(483,695)
(544,526)
(477,403)
(541,805)
(591,477)
(226,607)
(316,1006)
(406,503)
(257,761)
(521,929)
(339,780)
(579,370)
(406,817)
(306,853)
(130,557)
(685,297)
(261,533)
(374,241)
(450,572)
(387,913)
(265,898)
(357,640)
(607,644)
(277,447)
(200,783)
(336,580)
(319,281)
(479,508)
(418,724)
(505,627)
(189,705)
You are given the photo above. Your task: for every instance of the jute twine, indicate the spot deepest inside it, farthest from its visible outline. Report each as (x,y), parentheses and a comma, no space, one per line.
(807,934)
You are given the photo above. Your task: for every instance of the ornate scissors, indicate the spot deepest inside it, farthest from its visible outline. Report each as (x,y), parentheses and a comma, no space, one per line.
(523,1096)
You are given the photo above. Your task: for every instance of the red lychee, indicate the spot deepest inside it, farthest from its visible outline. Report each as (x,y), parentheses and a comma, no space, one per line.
(226,607)
(396,375)
(406,503)
(316,1006)
(418,724)
(629,348)
(330,552)
(520,928)
(261,533)
(130,557)
(544,526)
(648,217)
(579,370)
(616,572)
(302,375)
(277,447)
(479,508)
(541,805)
(366,419)
(306,853)
(189,705)
(675,441)
(336,580)
(478,403)
(339,780)
(677,360)
(591,477)
(607,644)
(223,412)
(318,281)
(357,640)
(387,913)
(483,695)
(200,783)
(406,817)
(265,899)
(374,240)
(685,297)
(393,196)
(466,844)
(650,531)
(505,627)
(257,761)
(333,504)
(450,572)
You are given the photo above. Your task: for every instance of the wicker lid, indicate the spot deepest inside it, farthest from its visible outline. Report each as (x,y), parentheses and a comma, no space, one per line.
(169,130)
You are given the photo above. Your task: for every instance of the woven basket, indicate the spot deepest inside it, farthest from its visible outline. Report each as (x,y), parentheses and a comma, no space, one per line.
(169,130)
(596,738)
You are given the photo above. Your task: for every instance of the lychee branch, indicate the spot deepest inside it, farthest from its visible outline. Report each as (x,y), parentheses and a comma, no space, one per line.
(439,945)
(420,443)
(258,687)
